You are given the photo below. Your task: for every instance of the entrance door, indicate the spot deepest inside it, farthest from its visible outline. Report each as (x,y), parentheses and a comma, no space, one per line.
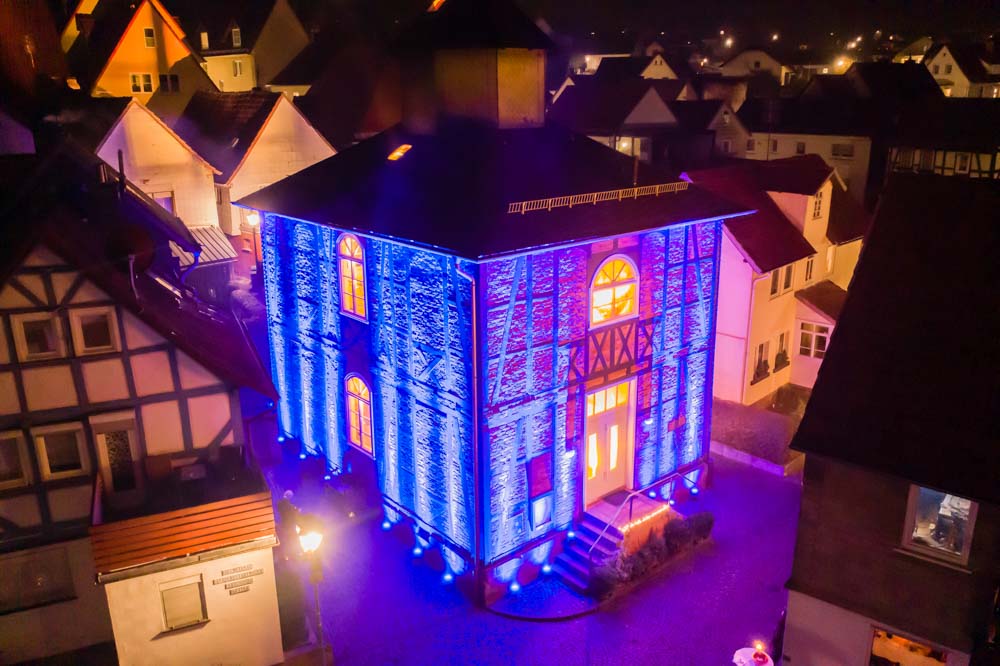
(609,440)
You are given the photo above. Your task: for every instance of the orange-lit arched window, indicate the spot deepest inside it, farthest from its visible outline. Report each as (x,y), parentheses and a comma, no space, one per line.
(352,277)
(359,413)
(614,293)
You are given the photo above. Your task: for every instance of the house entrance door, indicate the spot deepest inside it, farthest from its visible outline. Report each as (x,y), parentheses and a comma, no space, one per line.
(610,424)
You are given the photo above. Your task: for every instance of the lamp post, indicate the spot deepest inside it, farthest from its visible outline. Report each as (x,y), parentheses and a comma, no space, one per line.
(253,219)
(310,541)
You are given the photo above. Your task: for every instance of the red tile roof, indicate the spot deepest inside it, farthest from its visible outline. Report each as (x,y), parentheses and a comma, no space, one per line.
(161,537)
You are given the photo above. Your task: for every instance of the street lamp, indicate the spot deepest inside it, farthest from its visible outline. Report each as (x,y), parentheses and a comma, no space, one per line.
(253,219)
(310,541)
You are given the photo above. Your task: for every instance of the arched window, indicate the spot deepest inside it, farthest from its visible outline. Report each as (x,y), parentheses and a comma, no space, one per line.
(359,414)
(352,277)
(613,295)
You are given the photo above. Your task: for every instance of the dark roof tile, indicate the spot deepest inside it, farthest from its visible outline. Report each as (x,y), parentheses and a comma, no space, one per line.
(825,297)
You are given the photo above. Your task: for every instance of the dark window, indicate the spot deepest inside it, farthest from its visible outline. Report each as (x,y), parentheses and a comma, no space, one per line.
(96,331)
(147,83)
(800,147)
(40,337)
(34,579)
(10,459)
(62,450)
(150,36)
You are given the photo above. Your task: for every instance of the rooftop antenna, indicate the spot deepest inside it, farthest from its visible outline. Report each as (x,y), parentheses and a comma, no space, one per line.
(121,173)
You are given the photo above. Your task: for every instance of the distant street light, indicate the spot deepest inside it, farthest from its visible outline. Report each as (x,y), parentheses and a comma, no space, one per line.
(774,37)
(729,42)
(310,541)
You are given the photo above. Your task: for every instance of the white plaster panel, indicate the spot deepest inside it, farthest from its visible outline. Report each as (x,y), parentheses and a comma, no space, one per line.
(10,298)
(49,388)
(61,282)
(242,628)
(88,292)
(138,334)
(161,422)
(9,403)
(71,503)
(21,510)
(193,374)
(35,284)
(208,415)
(105,380)
(151,372)
(43,256)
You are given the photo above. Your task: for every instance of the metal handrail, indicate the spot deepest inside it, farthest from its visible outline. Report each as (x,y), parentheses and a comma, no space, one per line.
(628,498)
(523,207)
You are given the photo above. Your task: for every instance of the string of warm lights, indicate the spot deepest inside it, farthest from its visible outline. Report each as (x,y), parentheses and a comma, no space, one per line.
(639,521)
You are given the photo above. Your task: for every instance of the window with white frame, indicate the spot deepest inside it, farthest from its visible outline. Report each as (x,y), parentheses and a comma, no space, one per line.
(165,199)
(237,38)
(149,35)
(237,68)
(843,150)
(204,40)
(351,261)
(95,330)
(38,336)
(141,83)
(775,282)
(61,451)
(761,364)
(813,339)
(781,280)
(831,256)
(810,262)
(781,359)
(818,205)
(183,603)
(613,293)
(786,283)
(13,460)
(939,524)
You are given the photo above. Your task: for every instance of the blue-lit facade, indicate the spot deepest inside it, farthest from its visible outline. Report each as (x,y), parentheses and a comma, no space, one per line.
(479,373)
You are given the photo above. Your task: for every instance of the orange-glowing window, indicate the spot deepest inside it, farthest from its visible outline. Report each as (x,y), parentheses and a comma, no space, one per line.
(435,5)
(592,455)
(613,447)
(613,294)
(359,414)
(352,277)
(605,399)
(399,152)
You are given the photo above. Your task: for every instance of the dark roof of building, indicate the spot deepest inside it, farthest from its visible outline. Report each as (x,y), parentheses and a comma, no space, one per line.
(969,58)
(955,123)
(473,24)
(221,127)
(893,81)
(63,204)
(19,69)
(632,67)
(825,298)
(803,174)
(451,190)
(218,20)
(84,118)
(836,116)
(599,106)
(849,220)
(829,85)
(695,114)
(909,385)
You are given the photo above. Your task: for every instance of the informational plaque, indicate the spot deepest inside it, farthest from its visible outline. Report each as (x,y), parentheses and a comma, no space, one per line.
(238,579)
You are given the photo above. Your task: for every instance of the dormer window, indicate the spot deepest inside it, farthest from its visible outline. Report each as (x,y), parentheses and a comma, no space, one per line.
(237,38)
(818,205)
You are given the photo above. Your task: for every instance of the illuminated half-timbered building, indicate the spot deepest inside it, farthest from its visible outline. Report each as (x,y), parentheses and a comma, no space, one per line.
(508,325)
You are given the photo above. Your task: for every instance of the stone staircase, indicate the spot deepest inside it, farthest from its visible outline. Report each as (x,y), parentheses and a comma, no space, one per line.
(573,564)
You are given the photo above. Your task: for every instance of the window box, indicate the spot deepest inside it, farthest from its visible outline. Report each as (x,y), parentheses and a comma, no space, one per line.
(939,525)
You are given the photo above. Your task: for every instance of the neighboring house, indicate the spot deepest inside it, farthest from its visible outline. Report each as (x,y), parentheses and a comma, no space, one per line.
(897,559)
(754,62)
(244,44)
(119,397)
(965,70)
(157,161)
(29,52)
(955,137)
(784,274)
(253,139)
(118,48)
(504,367)
(914,51)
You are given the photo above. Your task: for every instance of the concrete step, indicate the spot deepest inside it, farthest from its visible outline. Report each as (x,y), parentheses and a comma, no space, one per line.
(570,576)
(608,542)
(597,526)
(576,562)
(604,549)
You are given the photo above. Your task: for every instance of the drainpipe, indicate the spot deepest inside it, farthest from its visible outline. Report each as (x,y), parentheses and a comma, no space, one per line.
(194,264)
(477,490)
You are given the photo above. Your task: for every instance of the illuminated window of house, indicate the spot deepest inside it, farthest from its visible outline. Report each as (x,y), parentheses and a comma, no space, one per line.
(813,339)
(939,524)
(613,295)
(237,68)
(810,263)
(149,35)
(891,648)
(818,205)
(352,277)
(359,414)
(237,38)
(204,40)
(94,330)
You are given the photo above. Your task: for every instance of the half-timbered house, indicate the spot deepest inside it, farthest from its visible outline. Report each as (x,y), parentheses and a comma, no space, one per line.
(118,398)
(507,325)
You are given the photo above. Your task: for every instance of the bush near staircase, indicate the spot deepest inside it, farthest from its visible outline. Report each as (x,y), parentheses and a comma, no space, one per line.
(676,536)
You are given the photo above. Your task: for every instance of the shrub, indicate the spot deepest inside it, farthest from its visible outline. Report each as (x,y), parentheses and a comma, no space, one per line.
(605,578)
(677,536)
(701,525)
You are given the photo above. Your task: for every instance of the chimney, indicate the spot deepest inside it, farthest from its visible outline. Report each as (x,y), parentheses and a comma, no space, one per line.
(85,24)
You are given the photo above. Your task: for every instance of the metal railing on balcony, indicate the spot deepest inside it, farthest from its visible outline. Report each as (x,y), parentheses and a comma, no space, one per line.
(569,201)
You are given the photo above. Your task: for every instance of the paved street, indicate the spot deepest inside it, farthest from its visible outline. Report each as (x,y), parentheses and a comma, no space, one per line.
(380,606)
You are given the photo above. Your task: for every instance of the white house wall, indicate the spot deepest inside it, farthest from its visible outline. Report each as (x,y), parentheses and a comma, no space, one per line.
(220,69)
(156,161)
(821,634)
(58,627)
(732,322)
(853,170)
(242,628)
(286,145)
